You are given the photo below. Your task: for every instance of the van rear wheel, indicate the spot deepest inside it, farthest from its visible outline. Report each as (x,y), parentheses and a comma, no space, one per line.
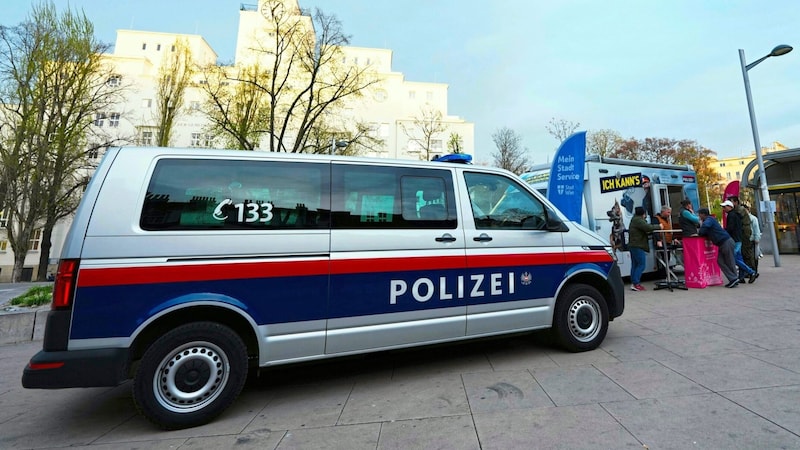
(190,375)
(580,321)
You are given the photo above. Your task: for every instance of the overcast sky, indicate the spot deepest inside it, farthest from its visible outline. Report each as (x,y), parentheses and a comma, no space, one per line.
(645,68)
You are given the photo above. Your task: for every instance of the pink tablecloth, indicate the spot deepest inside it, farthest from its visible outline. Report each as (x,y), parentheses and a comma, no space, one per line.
(700,263)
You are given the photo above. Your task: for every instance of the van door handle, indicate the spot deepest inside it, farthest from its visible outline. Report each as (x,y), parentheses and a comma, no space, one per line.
(447,237)
(482,238)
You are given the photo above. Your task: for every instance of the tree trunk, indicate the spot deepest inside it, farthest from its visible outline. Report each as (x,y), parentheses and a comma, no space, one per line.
(19,263)
(44,252)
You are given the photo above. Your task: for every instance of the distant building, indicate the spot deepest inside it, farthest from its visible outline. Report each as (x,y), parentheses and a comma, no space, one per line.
(732,169)
(389,109)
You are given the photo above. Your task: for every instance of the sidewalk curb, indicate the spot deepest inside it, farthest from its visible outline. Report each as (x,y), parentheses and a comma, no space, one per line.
(22,326)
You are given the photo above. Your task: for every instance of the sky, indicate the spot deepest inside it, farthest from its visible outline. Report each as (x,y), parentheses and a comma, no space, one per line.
(643,68)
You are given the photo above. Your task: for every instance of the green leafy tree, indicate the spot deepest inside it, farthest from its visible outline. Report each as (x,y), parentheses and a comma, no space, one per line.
(455,143)
(53,81)
(602,142)
(174,76)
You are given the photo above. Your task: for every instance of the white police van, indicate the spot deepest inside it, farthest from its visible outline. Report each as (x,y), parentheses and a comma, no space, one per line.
(186,268)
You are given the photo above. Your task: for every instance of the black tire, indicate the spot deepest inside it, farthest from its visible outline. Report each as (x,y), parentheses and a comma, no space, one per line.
(190,375)
(580,320)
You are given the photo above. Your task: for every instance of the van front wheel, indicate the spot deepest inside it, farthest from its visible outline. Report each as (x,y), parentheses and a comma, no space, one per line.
(580,321)
(190,375)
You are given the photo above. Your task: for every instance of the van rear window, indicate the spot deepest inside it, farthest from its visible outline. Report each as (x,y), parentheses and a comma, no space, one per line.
(214,194)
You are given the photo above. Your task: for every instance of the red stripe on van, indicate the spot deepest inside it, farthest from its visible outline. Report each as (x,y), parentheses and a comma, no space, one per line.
(596,256)
(93,277)
(525,259)
(89,277)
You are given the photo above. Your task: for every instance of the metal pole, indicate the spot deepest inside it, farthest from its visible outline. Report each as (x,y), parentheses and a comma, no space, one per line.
(765,202)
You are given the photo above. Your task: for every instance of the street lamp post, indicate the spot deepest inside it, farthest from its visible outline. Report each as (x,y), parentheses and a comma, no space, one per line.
(766,205)
(337,144)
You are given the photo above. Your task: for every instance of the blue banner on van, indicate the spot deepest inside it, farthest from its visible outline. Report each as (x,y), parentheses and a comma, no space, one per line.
(565,188)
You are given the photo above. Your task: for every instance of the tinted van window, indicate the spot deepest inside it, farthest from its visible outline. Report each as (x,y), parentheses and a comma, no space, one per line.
(212,194)
(499,202)
(392,197)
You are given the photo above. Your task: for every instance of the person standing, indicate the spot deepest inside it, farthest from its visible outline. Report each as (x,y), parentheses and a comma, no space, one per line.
(755,237)
(733,225)
(747,251)
(665,220)
(711,229)
(687,220)
(639,245)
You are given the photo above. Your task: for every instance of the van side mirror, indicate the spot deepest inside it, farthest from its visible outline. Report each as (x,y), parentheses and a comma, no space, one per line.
(555,224)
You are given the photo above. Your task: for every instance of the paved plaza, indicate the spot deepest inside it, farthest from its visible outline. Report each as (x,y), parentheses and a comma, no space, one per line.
(711,368)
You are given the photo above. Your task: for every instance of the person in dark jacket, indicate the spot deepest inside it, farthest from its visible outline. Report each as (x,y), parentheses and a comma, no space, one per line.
(733,225)
(687,220)
(639,245)
(711,229)
(747,230)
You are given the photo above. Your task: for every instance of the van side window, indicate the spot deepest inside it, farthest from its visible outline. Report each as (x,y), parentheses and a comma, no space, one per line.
(213,194)
(392,197)
(500,202)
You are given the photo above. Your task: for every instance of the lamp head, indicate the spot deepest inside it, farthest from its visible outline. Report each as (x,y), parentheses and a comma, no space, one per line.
(780,50)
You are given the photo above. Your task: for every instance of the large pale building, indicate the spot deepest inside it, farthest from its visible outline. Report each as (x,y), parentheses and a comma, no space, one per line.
(391,109)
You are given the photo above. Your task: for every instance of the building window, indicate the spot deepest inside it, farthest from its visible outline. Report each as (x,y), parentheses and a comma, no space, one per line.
(146,138)
(172,49)
(114,80)
(194,106)
(144,45)
(195,140)
(412,95)
(147,103)
(113,120)
(158,47)
(93,152)
(436,144)
(99,118)
(208,140)
(36,241)
(4,218)
(429,95)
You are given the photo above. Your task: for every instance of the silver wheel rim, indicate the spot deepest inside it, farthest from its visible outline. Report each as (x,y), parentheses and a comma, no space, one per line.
(584,319)
(191,376)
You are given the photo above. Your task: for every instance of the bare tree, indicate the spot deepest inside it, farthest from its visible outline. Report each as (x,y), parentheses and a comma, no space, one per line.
(53,81)
(561,129)
(236,106)
(509,155)
(602,142)
(174,77)
(357,138)
(424,130)
(303,74)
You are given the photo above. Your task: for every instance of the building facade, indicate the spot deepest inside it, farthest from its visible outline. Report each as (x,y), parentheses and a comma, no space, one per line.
(389,110)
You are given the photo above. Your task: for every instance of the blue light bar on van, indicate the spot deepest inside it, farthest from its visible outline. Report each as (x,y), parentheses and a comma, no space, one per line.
(461,158)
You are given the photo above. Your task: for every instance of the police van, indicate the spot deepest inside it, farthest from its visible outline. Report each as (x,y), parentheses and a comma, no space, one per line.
(185,269)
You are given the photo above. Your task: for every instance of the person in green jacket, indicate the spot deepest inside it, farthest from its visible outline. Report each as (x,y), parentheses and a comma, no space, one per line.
(639,245)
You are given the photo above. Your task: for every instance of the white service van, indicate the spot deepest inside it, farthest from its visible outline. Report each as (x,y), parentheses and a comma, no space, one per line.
(613,187)
(186,268)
